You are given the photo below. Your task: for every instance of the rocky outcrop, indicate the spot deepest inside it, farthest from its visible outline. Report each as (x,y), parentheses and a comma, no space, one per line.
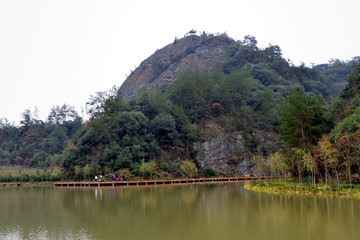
(191,52)
(225,153)
(228,152)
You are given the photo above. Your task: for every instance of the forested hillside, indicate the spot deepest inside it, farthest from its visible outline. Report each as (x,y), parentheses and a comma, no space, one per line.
(321,144)
(335,73)
(203,105)
(35,143)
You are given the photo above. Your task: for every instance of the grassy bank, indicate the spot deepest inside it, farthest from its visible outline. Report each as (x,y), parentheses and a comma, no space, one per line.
(291,187)
(23,174)
(17,170)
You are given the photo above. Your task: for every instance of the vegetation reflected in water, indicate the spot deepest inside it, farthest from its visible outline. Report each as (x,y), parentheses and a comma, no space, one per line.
(211,211)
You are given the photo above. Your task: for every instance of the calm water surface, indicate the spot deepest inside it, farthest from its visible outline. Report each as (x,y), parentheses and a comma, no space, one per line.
(211,211)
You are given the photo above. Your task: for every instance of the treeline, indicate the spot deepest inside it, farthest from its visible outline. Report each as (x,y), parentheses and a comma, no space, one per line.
(321,143)
(335,73)
(269,67)
(35,143)
(32,177)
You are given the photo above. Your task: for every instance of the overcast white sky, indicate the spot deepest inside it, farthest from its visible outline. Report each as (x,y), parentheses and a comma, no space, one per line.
(56,52)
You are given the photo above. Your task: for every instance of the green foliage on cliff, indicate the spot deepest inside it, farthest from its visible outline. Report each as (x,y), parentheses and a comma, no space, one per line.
(212,94)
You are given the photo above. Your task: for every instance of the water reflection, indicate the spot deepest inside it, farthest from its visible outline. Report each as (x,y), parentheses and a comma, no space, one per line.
(40,233)
(96,193)
(212,211)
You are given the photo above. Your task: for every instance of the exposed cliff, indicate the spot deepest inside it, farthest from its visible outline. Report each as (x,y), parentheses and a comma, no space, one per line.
(192,52)
(230,152)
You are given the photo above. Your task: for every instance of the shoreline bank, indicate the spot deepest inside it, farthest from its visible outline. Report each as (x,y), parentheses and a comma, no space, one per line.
(275,187)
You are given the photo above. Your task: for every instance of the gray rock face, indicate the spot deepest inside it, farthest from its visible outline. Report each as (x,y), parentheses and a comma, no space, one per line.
(227,154)
(192,52)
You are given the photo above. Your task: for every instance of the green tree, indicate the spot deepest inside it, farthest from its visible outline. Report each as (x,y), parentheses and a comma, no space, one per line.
(277,162)
(353,86)
(348,151)
(71,156)
(310,165)
(349,125)
(263,73)
(78,171)
(209,172)
(193,91)
(302,124)
(187,132)
(148,169)
(40,160)
(62,114)
(262,165)
(188,169)
(235,91)
(99,102)
(328,156)
(152,103)
(164,129)
(302,120)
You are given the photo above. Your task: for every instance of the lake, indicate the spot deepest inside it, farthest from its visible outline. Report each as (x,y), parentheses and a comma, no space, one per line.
(195,211)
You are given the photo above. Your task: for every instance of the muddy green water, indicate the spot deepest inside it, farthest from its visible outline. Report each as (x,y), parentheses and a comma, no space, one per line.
(211,211)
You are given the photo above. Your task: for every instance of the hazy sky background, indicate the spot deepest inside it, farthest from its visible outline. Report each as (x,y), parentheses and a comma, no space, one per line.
(56,52)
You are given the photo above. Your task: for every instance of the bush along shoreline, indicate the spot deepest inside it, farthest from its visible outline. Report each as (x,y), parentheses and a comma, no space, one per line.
(32,177)
(291,187)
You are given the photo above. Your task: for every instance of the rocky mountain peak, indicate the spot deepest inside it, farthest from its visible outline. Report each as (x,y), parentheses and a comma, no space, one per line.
(205,52)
